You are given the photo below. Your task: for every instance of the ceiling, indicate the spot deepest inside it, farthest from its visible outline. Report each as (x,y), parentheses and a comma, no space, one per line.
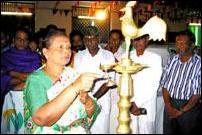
(42,4)
(181,3)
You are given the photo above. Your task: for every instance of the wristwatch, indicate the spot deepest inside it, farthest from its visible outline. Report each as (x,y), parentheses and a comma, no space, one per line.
(143,111)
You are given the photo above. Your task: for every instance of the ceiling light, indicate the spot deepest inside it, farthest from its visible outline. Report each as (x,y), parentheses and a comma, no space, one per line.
(17,13)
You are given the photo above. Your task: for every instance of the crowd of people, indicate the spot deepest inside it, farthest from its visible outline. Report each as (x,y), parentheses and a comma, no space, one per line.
(52,83)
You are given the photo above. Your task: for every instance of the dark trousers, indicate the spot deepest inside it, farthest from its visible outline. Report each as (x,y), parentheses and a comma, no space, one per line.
(188,122)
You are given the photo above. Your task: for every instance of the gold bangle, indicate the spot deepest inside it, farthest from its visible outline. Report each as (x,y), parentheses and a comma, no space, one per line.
(89,108)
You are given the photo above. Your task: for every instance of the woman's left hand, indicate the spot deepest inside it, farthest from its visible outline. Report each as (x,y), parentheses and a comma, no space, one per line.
(87,101)
(84,97)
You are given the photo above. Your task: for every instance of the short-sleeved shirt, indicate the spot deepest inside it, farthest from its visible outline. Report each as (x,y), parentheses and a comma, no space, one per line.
(39,90)
(182,80)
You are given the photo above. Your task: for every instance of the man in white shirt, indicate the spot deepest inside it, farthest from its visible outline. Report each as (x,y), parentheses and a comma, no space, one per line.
(114,44)
(89,60)
(145,86)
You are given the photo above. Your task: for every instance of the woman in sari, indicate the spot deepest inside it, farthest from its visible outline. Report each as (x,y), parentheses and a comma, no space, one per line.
(56,98)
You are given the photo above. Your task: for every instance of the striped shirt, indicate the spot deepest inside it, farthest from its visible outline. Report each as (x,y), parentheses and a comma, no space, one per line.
(182,80)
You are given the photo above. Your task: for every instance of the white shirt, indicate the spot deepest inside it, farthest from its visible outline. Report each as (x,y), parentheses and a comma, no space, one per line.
(119,53)
(150,76)
(145,86)
(84,62)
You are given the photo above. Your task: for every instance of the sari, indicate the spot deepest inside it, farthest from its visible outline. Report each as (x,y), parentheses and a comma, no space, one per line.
(39,90)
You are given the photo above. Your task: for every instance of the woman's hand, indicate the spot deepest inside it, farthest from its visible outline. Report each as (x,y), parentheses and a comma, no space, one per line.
(88,103)
(85,81)
(84,97)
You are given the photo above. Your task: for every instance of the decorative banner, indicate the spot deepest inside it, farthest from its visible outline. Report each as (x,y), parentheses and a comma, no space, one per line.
(66,12)
(149,7)
(24,9)
(99,3)
(55,11)
(90,12)
(120,14)
(60,11)
(77,4)
(113,4)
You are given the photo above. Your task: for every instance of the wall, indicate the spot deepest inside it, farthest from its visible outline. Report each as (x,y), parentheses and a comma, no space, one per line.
(176,27)
(115,21)
(44,16)
(167,12)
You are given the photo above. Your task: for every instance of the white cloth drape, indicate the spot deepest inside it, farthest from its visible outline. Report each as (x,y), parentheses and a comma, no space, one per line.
(12,121)
(118,55)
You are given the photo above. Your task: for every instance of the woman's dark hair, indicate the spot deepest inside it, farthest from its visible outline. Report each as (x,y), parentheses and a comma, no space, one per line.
(46,43)
(50,28)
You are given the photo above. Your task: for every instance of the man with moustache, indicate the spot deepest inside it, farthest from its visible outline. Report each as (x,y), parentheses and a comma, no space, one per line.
(181,82)
(145,86)
(114,44)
